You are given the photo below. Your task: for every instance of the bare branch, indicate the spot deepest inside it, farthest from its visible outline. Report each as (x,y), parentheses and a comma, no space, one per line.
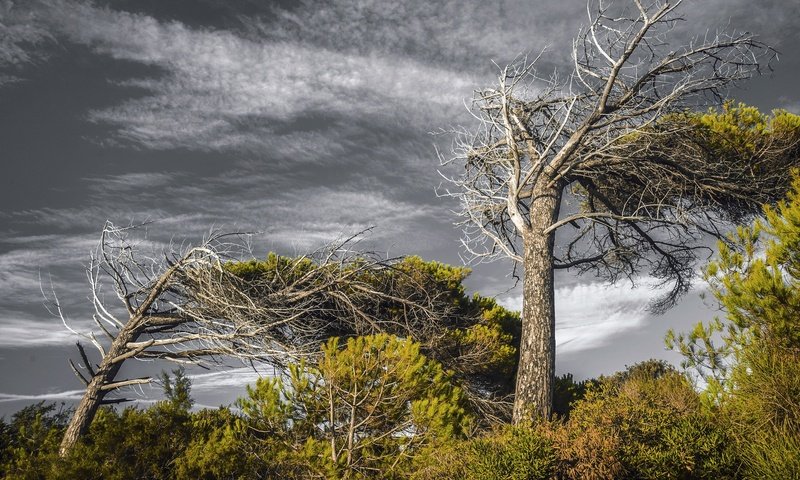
(610,149)
(125,383)
(557,136)
(208,303)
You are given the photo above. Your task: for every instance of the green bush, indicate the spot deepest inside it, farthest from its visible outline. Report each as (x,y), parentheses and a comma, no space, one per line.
(777,456)
(31,441)
(364,411)
(513,453)
(520,453)
(764,405)
(751,357)
(566,392)
(648,423)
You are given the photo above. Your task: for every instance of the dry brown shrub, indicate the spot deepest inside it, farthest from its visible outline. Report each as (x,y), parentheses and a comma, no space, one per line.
(585,453)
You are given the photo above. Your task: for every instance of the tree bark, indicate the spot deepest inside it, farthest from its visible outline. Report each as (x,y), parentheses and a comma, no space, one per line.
(536,370)
(94,395)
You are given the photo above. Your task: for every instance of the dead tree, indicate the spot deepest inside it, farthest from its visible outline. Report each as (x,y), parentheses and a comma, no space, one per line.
(606,160)
(194,308)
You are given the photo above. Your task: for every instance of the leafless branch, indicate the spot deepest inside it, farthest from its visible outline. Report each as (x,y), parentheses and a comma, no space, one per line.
(599,129)
(208,303)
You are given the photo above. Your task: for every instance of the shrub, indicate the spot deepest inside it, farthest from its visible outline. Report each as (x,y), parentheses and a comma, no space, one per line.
(519,453)
(751,358)
(31,441)
(647,422)
(776,455)
(566,392)
(364,411)
(513,453)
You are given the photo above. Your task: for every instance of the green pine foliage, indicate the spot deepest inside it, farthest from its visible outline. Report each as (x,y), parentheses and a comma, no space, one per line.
(474,337)
(388,407)
(513,453)
(135,443)
(30,441)
(751,358)
(369,406)
(741,131)
(567,392)
(224,445)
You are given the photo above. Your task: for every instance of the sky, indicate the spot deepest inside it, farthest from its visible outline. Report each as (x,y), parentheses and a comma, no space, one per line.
(301,120)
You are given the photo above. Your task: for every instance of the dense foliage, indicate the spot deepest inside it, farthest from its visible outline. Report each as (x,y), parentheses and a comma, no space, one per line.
(397,415)
(385,406)
(474,338)
(750,360)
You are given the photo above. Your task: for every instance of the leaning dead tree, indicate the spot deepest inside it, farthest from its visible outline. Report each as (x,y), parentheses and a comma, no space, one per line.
(197,307)
(607,161)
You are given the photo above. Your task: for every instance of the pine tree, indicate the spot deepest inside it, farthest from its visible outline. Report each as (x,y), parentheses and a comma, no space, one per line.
(751,358)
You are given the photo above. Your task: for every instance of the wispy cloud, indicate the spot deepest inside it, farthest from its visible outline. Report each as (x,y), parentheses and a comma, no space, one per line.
(297,213)
(234,89)
(589,315)
(25,331)
(21,34)
(292,220)
(38,268)
(221,91)
(445,32)
(70,395)
(227,379)
(336,212)
(221,387)
(39,256)
(132,182)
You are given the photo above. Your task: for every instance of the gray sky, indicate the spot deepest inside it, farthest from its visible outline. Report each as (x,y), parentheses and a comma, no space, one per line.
(302,120)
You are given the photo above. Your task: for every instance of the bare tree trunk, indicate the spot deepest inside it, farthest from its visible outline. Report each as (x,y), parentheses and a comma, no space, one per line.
(96,391)
(536,370)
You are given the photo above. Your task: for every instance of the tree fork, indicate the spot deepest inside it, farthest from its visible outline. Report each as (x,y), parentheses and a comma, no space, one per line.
(94,395)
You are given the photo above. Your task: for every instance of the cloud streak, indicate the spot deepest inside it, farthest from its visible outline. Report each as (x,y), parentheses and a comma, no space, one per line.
(589,315)
(234,89)
(232,378)
(293,221)
(232,381)
(70,395)
(221,91)
(22,34)
(29,332)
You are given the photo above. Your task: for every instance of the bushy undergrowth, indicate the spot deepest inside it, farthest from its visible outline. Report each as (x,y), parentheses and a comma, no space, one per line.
(513,453)
(377,407)
(645,423)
